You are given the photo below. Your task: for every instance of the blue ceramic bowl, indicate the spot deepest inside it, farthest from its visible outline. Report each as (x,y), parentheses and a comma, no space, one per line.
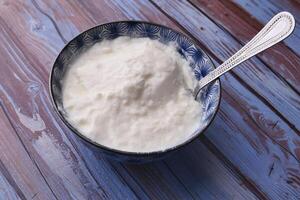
(199,62)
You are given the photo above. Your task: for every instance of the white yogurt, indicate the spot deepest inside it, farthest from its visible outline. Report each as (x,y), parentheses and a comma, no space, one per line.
(130,94)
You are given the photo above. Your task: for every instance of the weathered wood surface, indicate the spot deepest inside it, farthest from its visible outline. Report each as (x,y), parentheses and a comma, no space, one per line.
(251,151)
(17,168)
(266,9)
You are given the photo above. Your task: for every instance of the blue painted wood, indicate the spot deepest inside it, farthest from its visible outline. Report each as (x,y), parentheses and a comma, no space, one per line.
(250,151)
(7,191)
(19,177)
(264,10)
(133,12)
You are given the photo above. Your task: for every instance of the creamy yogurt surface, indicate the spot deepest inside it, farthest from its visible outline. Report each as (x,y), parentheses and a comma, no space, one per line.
(131,94)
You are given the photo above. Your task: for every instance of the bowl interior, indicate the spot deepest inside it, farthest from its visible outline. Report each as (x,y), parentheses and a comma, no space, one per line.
(199,62)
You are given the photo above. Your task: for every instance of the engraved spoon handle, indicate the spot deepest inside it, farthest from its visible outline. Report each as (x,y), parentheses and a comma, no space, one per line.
(278,28)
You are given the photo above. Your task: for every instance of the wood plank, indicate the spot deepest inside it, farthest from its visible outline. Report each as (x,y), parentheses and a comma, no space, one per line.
(263,10)
(6,190)
(280,59)
(157,181)
(292,6)
(133,11)
(257,157)
(192,168)
(18,171)
(253,72)
(198,171)
(191,161)
(169,187)
(24,93)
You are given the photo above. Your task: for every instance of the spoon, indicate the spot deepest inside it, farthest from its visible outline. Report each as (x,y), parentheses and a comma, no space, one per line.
(277,29)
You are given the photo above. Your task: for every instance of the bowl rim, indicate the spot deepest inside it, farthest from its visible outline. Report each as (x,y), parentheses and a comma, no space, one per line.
(122,152)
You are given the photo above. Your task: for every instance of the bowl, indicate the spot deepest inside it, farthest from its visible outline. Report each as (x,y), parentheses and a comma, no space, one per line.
(200,63)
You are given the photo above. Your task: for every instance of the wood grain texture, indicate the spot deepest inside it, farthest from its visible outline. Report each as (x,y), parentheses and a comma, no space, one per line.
(251,151)
(132,12)
(18,171)
(36,124)
(280,59)
(6,190)
(264,10)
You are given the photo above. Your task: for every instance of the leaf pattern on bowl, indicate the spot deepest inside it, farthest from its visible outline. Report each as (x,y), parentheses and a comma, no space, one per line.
(166,35)
(114,30)
(147,30)
(185,45)
(96,33)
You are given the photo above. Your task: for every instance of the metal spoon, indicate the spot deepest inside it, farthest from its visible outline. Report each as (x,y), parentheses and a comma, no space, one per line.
(277,29)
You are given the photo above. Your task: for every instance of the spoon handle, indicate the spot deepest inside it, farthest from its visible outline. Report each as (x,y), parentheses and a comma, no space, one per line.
(278,28)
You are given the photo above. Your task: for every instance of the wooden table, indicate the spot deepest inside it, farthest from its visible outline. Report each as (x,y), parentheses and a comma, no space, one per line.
(251,150)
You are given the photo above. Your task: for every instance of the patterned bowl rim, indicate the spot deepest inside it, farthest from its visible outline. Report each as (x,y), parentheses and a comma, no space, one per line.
(122,152)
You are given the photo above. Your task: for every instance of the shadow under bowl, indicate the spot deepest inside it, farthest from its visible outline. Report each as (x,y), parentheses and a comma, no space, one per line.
(200,63)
